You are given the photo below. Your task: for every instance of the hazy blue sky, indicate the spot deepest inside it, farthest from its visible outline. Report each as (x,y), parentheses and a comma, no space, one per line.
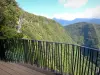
(64,9)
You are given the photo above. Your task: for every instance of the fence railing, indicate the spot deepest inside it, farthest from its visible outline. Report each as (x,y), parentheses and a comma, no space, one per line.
(60,58)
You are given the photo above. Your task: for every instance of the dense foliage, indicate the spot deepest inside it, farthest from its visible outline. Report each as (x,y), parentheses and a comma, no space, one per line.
(41,28)
(85,34)
(33,26)
(8,19)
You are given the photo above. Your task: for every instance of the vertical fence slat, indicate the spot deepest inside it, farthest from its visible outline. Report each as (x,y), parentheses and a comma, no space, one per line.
(80,66)
(89,62)
(96,62)
(86,61)
(83,50)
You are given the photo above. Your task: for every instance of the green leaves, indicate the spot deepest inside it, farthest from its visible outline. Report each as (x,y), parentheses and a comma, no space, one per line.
(10,32)
(9,15)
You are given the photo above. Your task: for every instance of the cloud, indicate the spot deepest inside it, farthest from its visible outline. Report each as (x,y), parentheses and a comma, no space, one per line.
(88,13)
(73,3)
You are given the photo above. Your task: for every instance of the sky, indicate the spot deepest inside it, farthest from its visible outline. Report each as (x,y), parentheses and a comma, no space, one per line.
(62,9)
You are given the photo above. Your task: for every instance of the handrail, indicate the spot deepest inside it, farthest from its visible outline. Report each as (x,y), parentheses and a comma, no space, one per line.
(97,49)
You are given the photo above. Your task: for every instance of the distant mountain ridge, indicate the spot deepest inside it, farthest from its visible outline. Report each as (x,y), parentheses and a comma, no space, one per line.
(67,22)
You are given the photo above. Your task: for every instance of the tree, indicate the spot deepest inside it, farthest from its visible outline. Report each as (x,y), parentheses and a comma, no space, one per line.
(8,18)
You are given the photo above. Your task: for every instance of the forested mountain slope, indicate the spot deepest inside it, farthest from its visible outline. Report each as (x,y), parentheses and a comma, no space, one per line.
(85,34)
(30,26)
(41,28)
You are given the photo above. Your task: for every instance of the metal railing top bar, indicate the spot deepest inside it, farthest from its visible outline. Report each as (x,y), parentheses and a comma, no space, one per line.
(72,44)
(96,49)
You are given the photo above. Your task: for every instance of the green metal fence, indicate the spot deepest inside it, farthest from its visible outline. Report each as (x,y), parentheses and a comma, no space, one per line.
(57,57)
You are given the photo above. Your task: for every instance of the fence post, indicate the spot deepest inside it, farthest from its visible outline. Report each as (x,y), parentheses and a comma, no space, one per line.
(2,49)
(25,51)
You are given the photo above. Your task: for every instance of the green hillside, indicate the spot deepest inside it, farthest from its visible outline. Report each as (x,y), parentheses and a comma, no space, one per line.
(85,34)
(41,28)
(32,26)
